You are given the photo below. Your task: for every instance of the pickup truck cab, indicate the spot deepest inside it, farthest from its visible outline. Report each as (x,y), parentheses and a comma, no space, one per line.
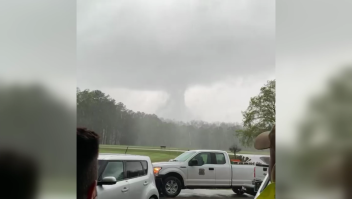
(203,169)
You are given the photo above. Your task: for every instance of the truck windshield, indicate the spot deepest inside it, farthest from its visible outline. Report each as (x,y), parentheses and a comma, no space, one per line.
(184,156)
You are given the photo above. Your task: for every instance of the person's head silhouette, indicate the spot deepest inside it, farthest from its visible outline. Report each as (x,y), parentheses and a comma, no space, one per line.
(87,161)
(266,140)
(18,175)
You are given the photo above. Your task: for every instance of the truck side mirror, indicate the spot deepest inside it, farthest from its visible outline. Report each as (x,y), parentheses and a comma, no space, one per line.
(193,162)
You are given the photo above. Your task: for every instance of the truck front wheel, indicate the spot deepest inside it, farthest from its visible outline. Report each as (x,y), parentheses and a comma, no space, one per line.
(238,190)
(171,186)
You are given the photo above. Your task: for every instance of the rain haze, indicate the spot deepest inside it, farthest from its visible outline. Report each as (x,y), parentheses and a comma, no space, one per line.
(181,60)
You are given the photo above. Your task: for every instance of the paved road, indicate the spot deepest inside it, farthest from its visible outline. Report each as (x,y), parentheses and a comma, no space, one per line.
(209,194)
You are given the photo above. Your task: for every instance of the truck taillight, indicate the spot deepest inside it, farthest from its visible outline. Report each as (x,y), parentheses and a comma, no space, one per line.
(254,172)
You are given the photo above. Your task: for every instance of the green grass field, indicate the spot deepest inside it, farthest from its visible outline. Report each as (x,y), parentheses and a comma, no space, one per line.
(155,154)
(140,147)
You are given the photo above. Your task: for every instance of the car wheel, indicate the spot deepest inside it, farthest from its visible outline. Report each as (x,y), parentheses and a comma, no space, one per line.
(238,190)
(171,186)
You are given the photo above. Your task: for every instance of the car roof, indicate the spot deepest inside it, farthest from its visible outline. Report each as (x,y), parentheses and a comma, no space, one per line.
(115,156)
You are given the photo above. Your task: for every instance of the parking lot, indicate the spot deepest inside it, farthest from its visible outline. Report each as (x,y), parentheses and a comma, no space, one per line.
(209,194)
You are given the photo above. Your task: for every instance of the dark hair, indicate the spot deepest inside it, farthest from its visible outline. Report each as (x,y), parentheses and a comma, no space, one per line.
(18,175)
(87,154)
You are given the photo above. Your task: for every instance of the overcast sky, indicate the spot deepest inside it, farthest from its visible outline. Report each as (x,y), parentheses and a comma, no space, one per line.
(179,59)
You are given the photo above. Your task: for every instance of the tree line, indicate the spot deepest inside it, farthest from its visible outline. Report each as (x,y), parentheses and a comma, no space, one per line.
(118,125)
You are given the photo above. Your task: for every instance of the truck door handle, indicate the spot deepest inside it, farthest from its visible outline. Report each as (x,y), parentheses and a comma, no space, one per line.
(124,189)
(211,169)
(145,183)
(264,174)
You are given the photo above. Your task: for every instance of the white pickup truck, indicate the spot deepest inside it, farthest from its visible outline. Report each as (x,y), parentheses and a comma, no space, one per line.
(206,169)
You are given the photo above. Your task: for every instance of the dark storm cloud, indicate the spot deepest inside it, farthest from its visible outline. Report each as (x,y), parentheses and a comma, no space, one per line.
(170,45)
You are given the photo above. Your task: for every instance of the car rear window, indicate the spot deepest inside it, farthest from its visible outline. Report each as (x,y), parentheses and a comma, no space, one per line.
(134,169)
